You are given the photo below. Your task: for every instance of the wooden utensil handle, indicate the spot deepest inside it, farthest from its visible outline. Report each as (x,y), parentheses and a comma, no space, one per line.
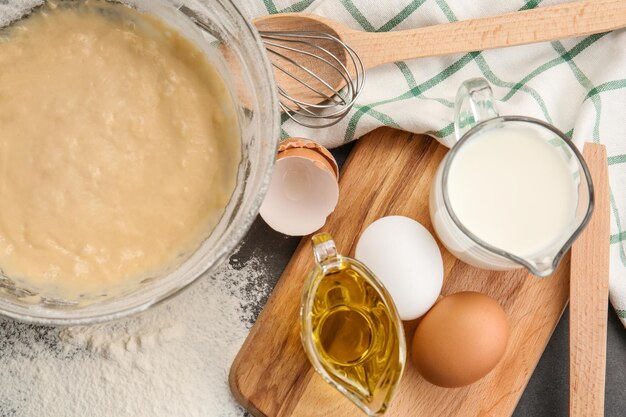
(517,28)
(589,295)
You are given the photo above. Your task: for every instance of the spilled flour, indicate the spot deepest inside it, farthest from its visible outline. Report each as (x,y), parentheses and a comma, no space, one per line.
(11,10)
(171,361)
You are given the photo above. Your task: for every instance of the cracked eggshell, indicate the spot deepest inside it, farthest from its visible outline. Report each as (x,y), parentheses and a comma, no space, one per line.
(303,190)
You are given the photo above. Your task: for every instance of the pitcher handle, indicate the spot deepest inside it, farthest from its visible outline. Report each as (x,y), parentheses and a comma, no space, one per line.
(323,247)
(474,104)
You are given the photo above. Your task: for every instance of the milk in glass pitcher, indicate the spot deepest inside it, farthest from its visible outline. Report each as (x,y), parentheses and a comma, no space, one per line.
(512,192)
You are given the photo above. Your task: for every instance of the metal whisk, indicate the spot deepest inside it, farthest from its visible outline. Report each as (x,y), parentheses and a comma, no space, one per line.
(308,68)
(319,77)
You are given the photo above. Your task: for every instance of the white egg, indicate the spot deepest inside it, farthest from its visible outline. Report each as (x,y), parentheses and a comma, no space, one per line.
(406,259)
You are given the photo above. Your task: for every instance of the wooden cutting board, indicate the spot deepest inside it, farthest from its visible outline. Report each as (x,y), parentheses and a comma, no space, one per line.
(389,172)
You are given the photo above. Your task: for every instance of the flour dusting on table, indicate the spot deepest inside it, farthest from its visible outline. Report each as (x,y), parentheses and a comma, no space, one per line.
(10,11)
(171,361)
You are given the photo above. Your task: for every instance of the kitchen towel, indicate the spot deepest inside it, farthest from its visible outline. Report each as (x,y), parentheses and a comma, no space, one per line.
(578,85)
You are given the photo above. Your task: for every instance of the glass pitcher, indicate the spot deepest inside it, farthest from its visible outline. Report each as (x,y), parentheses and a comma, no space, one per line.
(470,230)
(350,329)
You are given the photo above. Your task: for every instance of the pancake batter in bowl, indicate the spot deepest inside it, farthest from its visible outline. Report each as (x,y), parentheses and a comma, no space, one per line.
(119,148)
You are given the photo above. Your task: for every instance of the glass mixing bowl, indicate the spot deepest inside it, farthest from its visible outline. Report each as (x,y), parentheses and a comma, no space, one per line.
(232,45)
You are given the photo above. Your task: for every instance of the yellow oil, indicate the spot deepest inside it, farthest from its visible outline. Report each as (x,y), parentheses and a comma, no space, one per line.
(355,335)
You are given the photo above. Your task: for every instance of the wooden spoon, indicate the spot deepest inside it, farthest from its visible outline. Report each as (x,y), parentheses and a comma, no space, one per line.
(589,280)
(517,28)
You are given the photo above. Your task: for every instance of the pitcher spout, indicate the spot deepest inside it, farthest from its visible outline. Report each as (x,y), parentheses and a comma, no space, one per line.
(543,266)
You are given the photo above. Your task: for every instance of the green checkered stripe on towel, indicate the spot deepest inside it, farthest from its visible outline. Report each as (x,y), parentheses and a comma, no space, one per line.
(579,85)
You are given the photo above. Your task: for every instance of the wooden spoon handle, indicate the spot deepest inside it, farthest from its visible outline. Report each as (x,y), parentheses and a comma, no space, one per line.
(517,28)
(589,280)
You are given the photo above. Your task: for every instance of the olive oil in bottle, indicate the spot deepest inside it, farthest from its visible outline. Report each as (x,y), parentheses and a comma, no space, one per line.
(351,330)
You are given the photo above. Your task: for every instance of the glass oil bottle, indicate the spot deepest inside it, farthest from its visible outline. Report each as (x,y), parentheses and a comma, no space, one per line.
(350,329)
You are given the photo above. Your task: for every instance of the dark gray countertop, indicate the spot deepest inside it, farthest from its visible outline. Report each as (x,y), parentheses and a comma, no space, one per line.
(547,392)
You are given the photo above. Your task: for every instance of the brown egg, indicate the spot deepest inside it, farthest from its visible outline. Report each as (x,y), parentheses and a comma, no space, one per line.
(460,340)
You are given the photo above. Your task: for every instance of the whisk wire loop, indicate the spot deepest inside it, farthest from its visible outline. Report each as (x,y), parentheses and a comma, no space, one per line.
(338,66)
(308,71)
(314,61)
